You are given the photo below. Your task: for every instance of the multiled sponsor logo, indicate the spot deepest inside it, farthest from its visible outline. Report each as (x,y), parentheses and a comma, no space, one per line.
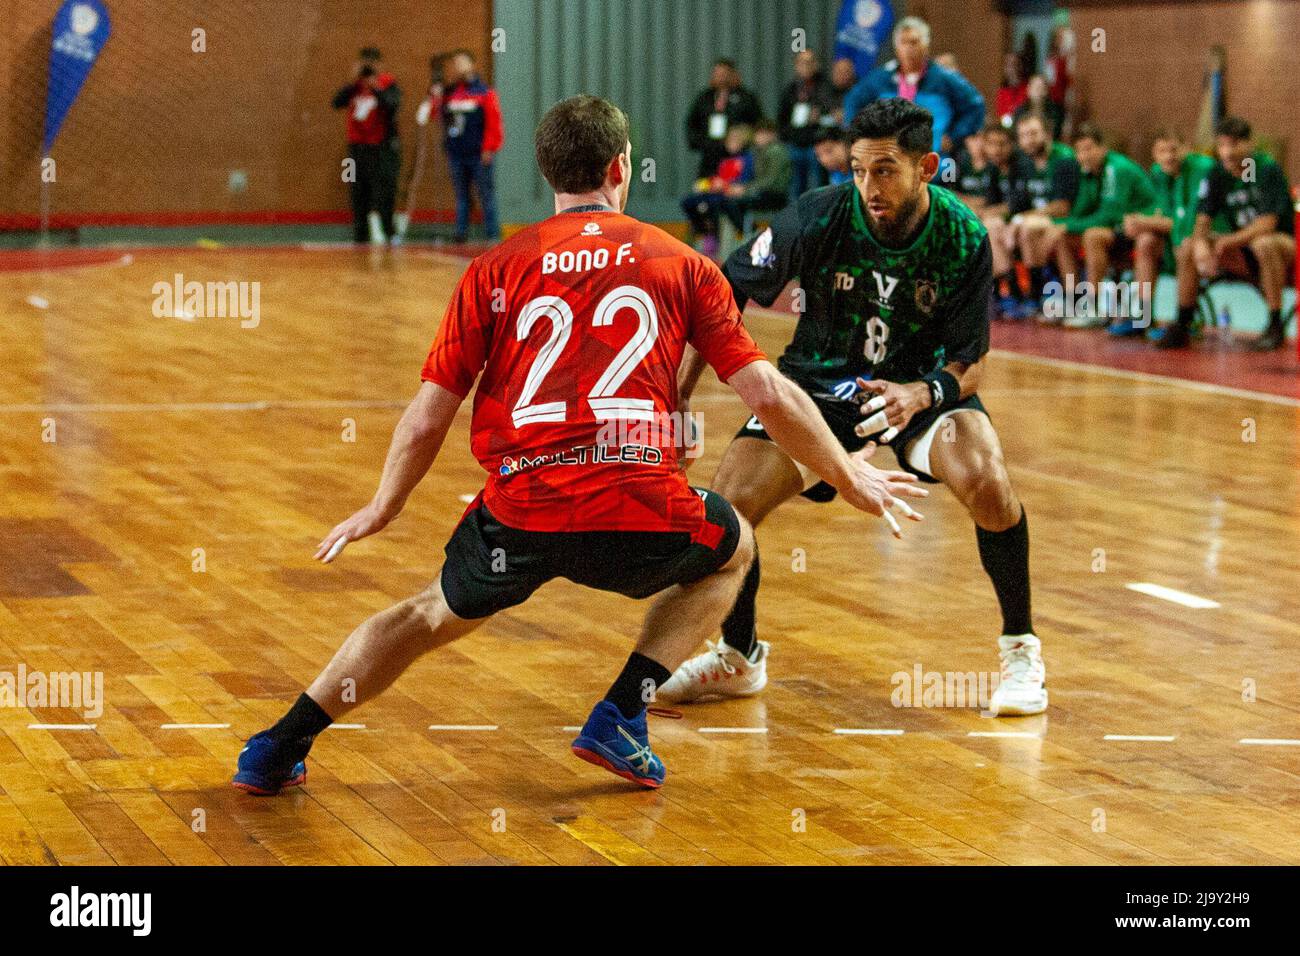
(70,690)
(191,300)
(921,688)
(74,908)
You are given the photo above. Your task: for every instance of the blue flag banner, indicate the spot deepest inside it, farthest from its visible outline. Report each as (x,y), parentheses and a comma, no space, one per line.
(80,31)
(861,30)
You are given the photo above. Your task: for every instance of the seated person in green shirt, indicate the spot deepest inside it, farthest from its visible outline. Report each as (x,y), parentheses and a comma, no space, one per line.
(1110,187)
(1044,181)
(1253,194)
(1176,176)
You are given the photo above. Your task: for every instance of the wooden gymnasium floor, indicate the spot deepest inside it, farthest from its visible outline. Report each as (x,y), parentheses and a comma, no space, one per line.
(174,435)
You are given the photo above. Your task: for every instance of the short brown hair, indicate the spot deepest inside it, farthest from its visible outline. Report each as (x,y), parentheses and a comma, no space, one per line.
(576,141)
(1089,131)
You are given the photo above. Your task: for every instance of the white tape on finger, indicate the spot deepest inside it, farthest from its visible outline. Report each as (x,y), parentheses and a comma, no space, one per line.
(893,523)
(871,425)
(904,507)
(338,547)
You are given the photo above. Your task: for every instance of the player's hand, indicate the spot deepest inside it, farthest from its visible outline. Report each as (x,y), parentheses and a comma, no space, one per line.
(487,157)
(881,493)
(891,406)
(422,113)
(1133,224)
(364,523)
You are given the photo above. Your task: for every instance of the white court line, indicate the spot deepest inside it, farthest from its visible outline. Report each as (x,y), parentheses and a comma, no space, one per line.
(1017,734)
(1169,594)
(259,406)
(733,730)
(1132,376)
(346,727)
(61,726)
(1154,738)
(1195,386)
(571,730)
(195,726)
(867,731)
(1269,742)
(463,727)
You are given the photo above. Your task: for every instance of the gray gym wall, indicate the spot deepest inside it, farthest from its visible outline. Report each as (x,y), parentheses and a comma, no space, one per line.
(651,57)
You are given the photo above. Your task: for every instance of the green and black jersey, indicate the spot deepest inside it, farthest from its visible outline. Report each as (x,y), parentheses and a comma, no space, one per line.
(1242,201)
(869,310)
(1033,187)
(1176,196)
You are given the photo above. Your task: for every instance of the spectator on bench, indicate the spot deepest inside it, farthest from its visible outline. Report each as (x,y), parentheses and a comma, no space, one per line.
(1252,192)
(806,103)
(1110,186)
(1176,176)
(1044,183)
(762,183)
(833,154)
(724,103)
(969,173)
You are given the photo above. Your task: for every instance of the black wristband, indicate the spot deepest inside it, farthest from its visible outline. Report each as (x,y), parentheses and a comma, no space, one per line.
(945,390)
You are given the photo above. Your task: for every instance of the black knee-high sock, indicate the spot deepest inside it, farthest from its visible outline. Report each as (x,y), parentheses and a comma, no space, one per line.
(302,723)
(1005,556)
(738,630)
(629,691)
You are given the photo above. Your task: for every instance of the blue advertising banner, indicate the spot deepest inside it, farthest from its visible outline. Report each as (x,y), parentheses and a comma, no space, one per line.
(861,30)
(80,31)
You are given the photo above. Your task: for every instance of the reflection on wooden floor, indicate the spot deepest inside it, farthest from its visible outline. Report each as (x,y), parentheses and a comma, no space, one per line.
(164,481)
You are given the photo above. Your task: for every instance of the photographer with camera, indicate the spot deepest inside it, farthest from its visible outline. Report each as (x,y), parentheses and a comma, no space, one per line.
(372,99)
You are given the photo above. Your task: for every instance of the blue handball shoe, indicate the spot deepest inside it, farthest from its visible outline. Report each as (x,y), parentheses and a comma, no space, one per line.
(266,767)
(621,746)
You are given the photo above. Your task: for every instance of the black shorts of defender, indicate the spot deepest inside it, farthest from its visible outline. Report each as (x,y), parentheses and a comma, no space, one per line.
(491,567)
(843,417)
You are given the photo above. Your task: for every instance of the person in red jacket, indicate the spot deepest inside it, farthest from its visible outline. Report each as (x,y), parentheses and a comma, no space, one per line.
(472,136)
(372,99)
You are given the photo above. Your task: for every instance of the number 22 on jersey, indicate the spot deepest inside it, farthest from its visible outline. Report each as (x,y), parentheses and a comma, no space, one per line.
(603,400)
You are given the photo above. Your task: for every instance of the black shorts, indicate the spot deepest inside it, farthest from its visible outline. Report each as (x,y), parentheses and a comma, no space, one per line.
(842,417)
(491,567)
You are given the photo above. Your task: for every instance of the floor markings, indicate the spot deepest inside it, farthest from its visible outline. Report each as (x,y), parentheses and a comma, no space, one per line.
(346,727)
(1269,742)
(1152,738)
(1169,594)
(1016,734)
(733,730)
(868,731)
(478,727)
(61,726)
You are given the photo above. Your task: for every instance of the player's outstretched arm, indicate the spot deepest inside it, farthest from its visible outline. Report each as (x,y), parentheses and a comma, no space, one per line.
(416,441)
(794,423)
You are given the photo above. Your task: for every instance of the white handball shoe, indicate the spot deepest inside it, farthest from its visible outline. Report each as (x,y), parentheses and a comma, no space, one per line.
(1022,690)
(721,671)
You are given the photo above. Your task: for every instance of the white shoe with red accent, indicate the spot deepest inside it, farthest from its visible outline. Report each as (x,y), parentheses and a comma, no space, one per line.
(721,671)
(1022,691)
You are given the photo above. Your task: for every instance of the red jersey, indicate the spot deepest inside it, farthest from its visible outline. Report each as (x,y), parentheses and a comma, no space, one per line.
(578,325)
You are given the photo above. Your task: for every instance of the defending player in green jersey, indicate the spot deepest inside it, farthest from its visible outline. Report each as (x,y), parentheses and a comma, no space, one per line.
(895,276)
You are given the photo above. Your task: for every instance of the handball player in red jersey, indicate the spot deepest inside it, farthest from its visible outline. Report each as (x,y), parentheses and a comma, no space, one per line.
(574,329)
